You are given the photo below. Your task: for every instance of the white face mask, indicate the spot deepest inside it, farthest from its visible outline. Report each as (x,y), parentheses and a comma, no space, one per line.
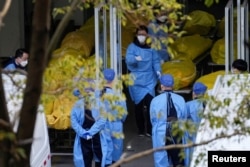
(162,18)
(24,63)
(234,71)
(141,38)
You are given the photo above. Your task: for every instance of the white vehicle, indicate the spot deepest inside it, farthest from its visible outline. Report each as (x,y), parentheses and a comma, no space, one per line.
(236,88)
(40,151)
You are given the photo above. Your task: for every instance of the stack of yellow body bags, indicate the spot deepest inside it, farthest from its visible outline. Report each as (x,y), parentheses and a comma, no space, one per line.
(187,48)
(184,51)
(74,52)
(57,96)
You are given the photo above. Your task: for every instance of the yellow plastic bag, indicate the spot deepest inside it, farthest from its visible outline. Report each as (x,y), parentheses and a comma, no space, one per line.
(62,69)
(209,79)
(183,71)
(58,85)
(48,103)
(201,23)
(66,51)
(190,46)
(221,27)
(127,33)
(60,117)
(82,41)
(218,51)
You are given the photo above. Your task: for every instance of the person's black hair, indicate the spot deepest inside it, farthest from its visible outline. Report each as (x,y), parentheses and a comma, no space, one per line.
(19,52)
(141,27)
(136,42)
(240,65)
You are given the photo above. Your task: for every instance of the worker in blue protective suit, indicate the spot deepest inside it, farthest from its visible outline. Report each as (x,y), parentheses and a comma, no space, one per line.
(195,109)
(144,64)
(117,118)
(166,109)
(92,139)
(158,35)
(19,61)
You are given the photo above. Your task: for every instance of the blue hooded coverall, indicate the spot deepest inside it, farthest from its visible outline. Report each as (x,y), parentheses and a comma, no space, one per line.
(158,117)
(100,125)
(158,35)
(116,126)
(144,71)
(194,108)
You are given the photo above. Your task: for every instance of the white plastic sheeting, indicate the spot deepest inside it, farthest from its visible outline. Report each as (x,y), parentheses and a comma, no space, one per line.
(14,85)
(235,87)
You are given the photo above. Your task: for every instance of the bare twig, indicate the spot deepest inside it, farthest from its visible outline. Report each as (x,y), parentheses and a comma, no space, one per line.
(169,147)
(19,71)
(5,125)
(57,91)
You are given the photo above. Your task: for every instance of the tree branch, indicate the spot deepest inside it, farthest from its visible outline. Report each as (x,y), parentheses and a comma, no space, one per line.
(61,27)
(4,11)
(169,147)
(5,125)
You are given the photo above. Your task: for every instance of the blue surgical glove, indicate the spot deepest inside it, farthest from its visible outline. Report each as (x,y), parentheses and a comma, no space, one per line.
(87,136)
(76,92)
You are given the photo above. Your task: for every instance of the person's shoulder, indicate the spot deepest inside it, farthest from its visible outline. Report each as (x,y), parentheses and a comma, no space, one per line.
(132,44)
(79,103)
(159,96)
(178,96)
(190,102)
(8,62)
(10,66)
(132,47)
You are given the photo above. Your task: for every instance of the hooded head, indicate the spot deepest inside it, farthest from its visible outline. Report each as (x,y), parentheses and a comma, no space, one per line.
(167,80)
(109,74)
(239,66)
(199,88)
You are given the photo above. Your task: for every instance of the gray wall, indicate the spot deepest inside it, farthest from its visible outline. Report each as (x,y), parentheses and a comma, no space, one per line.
(17,30)
(77,16)
(12,34)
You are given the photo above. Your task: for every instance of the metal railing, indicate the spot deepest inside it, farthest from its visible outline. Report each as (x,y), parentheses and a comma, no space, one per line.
(229,36)
(114,38)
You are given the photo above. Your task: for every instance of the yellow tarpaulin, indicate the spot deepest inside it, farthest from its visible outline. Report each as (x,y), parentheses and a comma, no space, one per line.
(201,23)
(183,71)
(218,51)
(209,79)
(60,117)
(190,46)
